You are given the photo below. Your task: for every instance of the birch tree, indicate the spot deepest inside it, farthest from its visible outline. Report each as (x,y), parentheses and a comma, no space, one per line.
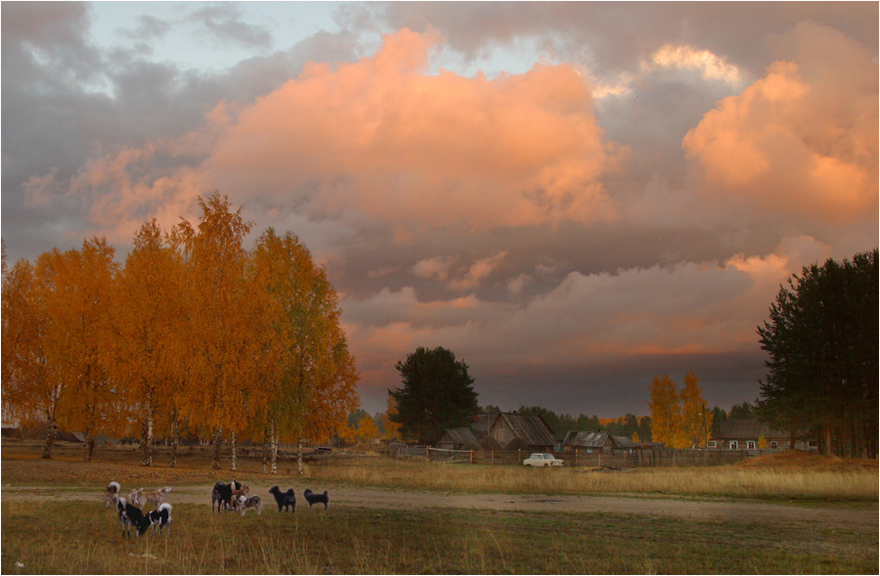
(214,272)
(665,412)
(81,308)
(149,320)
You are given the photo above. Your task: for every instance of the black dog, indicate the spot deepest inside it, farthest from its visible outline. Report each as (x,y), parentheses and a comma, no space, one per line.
(222,493)
(313,498)
(284,499)
(130,515)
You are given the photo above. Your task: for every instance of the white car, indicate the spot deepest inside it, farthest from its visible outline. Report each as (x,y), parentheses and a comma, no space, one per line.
(540,460)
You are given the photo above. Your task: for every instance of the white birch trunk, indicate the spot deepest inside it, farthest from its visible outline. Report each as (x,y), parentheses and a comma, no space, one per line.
(234,453)
(274,450)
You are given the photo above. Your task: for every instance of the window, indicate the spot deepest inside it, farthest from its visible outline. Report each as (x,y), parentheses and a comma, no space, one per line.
(774,444)
(713,444)
(750,445)
(734,445)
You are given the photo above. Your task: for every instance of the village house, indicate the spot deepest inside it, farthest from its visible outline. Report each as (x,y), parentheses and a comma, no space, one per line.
(603,442)
(459,439)
(504,431)
(754,435)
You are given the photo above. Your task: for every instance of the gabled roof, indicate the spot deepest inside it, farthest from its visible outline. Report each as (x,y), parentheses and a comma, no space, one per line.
(747,430)
(530,428)
(596,440)
(460,436)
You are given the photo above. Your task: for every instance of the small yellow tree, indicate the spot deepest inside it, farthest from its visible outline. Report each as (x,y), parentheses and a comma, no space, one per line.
(680,419)
(696,418)
(392,428)
(665,412)
(367,429)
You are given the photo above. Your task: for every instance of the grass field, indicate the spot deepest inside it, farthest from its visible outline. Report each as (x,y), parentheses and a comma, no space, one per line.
(80,537)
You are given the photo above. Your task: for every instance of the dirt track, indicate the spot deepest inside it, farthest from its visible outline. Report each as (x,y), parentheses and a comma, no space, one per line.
(383,498)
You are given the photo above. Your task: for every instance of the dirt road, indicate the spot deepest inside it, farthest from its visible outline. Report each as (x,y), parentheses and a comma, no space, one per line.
(383,498)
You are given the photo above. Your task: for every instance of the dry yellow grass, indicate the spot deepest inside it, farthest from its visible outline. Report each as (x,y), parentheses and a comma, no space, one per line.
(784,476)
(781,478)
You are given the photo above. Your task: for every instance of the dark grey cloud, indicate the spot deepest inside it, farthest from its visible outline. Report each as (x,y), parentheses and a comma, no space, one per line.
(615,35)
(611,388)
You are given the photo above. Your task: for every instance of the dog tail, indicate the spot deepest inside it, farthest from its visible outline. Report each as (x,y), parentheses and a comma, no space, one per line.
(114,487)
(165,506)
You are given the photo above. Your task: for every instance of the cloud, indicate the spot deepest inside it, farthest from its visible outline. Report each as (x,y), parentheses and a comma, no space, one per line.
(685,309)
(801,139)
(381,139)
(479,271)
(225,22)
(682,57)
(433,268)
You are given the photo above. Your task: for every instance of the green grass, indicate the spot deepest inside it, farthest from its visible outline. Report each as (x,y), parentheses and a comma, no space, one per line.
(359,541)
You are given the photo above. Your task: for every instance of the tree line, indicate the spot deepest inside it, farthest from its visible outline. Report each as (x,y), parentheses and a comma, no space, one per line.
(191,334)
(822,342)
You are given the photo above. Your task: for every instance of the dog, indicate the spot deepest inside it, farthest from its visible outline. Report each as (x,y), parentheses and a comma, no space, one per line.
(236,494)
(252,503)
(112,493)
(130,515)
(140,498)
(222,493)
(161,517)
(313,498)
(284,499)
(120,510)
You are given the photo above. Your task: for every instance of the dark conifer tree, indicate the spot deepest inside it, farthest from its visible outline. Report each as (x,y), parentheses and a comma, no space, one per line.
(822,338)
(437,393)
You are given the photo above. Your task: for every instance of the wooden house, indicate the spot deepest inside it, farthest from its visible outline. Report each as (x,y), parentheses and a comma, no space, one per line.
(602,442)
(521,431)
(459,439)
(754,435)
(504,431)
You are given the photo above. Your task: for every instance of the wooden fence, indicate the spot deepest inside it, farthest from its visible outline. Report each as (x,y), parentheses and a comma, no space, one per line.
(643,457)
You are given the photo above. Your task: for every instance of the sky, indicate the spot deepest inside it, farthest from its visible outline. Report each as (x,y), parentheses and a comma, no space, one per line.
(573,198)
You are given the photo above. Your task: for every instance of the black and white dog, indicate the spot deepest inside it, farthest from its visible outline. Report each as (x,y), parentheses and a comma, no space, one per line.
(130,515)
(313,498)
(252,503)
(161,517)
(222,493)
(284,499)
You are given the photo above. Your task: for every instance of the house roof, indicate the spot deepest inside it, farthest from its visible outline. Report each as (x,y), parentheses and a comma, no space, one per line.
(530,428)
(459,436)
(596,440)
(481,424)
(747,430)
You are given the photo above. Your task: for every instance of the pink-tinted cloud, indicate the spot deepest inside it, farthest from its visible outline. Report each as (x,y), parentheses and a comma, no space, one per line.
(385,140)
(801,139)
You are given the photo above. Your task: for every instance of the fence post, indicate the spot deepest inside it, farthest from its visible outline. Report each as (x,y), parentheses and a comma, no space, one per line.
(428,453)
(472,456)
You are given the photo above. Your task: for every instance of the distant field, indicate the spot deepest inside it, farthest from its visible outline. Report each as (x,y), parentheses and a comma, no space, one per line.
(71,532)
